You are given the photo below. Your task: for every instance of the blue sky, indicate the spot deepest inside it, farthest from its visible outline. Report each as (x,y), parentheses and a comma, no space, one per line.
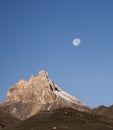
(37,35)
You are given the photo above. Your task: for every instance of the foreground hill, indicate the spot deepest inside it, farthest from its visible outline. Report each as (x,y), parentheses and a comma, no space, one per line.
(64,119)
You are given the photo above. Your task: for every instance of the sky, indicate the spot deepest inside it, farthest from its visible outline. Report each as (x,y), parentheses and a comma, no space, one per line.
(38,35)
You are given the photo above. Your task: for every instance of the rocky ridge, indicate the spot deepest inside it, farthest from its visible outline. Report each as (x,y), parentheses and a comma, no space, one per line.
(27,98)
(104,111)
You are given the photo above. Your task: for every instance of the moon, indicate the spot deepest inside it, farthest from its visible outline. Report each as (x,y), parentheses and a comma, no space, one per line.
(76,42)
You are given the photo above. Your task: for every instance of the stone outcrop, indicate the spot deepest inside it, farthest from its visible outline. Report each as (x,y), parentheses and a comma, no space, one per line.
(27,98)
(6,119)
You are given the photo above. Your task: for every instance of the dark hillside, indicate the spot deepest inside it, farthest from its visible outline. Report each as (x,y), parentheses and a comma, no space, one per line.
(65,119)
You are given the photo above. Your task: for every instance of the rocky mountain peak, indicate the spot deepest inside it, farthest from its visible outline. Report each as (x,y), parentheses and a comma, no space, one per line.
(26,98)
(43,74)
(35,89)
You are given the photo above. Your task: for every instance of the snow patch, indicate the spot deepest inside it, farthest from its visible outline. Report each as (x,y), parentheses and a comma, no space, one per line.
(68,97)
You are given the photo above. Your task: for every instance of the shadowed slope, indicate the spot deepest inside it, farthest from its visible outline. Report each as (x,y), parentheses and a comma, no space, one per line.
(64,119)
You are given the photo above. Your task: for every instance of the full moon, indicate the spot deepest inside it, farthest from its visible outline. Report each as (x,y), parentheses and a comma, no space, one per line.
(76,42)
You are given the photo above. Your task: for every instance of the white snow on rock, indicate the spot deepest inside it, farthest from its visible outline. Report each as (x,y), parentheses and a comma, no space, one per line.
(68,97)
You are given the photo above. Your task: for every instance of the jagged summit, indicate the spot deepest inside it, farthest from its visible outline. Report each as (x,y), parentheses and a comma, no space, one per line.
(32,90)
(26,98)
(43,74)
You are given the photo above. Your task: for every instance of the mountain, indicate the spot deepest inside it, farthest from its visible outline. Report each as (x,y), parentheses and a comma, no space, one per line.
(27,98)
(64,119)
(103,110)
(40,104)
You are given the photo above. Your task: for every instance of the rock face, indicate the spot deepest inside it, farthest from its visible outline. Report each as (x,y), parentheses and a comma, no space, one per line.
(6,119)
(27,98)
